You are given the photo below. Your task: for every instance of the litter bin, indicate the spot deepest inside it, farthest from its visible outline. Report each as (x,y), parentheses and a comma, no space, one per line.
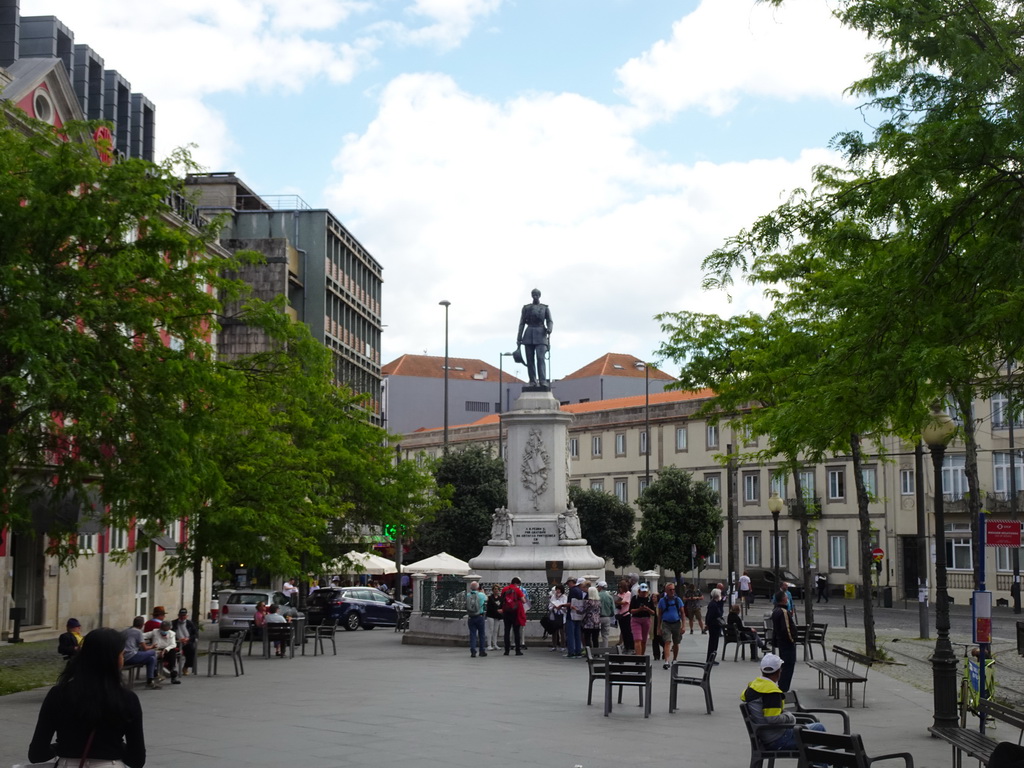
(887,597)
(850,591)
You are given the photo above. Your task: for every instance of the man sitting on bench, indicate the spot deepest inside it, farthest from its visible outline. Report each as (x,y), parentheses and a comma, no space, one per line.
(767,702)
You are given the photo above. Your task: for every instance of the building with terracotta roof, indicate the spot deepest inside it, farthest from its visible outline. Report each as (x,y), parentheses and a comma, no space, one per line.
(607,450)
(414,391)
(609,377)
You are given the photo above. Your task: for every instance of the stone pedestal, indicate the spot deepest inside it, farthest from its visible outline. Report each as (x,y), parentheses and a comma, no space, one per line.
(537,531)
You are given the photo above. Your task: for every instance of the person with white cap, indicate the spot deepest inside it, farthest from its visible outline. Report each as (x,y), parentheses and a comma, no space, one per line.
(766,703)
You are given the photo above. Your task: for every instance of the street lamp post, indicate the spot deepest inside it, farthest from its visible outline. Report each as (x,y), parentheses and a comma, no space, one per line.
(937,433)
(775,507)
(445,303)
(647,421)
(501,396)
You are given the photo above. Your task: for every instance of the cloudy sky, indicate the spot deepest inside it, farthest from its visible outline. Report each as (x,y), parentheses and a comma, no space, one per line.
(595,149)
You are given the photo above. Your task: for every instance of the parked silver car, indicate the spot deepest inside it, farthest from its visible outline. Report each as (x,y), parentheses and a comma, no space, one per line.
(238,609)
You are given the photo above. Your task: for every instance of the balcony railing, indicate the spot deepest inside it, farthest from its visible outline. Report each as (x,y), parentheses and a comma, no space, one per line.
(810,505)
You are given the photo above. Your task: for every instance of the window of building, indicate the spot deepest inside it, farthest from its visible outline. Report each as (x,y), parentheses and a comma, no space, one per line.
(643,443)
(869,476)
(779,484)
(142,581)
(595,445)
(475,406)
(620,444)
(837,551)
(118,539)
(752,548)
(746,434)
(836,477)
(715,558)
(1001,469)
(597,485)
(712,436)
(620,490)
(643,485)
(954,476)
(681,439)
(751,487)
(959,550)
(907,485)
(1004,559)
(714,481)
(1001,413)
(574,447)
(807,485)
(86,543)
(782,552)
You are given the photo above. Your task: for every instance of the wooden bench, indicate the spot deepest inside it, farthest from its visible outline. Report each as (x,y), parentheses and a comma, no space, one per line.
(843,674)
(840,750)
(975,744)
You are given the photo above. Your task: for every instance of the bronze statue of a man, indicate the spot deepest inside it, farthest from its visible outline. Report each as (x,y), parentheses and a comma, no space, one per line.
(535,327)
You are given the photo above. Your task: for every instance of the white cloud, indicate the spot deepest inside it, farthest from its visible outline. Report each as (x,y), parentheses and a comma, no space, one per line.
(449,22)
(477,202)
(727,49)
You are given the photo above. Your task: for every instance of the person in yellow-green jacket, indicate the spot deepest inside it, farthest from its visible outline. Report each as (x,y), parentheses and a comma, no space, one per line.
(767,703)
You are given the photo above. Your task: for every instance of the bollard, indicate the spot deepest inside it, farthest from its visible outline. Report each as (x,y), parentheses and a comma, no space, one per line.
(17,616)
(845,623)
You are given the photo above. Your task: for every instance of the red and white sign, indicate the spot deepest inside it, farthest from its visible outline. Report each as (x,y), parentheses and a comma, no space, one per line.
(877,554)
(1002,533)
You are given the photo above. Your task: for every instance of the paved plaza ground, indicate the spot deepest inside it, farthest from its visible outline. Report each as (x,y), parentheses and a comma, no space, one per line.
(380,702)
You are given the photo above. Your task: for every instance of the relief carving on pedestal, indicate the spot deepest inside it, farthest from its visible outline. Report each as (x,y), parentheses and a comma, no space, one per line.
(536,465)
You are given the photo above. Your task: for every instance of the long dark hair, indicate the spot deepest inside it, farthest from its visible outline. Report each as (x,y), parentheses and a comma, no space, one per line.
(91,682)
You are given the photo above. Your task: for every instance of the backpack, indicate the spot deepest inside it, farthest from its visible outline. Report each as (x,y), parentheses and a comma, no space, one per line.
(473,603)
(511,599)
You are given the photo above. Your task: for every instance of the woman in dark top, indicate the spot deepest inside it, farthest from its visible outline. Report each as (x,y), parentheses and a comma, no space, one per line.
(714,620)
(90,711)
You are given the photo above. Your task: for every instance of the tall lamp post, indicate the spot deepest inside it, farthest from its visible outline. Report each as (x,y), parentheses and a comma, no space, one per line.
(445,303)
(501,396)
(936,434)
(647,421)
(775,507)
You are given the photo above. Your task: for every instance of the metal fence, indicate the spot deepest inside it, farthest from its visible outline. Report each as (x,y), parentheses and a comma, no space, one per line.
(445,598)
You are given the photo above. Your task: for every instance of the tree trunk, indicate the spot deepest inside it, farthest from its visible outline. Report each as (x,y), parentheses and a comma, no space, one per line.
(974,492)
(805,547)
(865,547)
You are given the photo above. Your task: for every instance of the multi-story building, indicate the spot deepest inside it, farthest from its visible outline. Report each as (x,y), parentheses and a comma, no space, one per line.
(332,283)
(414,387)
(47,76)
(607,445)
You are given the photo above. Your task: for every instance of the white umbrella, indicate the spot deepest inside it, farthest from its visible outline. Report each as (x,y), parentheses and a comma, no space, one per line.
(362,562)
(440,563)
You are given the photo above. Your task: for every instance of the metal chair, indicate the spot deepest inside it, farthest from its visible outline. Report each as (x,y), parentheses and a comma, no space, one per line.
(840,750)
(597,659)
(702,681)
(325,630)
(628,671)
(231,646)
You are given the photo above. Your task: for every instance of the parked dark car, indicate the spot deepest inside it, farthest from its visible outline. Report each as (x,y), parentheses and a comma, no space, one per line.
(354,607)
(762,582)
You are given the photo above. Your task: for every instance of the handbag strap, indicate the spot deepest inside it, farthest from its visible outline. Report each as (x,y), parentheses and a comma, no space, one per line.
(88,746)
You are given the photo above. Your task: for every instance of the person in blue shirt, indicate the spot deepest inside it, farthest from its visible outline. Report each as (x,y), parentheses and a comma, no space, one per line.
(476,611)
(670,610)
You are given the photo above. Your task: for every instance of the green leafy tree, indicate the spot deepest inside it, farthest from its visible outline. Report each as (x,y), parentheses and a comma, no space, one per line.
(606,523)
(99,273)
(678,515)
(473,482)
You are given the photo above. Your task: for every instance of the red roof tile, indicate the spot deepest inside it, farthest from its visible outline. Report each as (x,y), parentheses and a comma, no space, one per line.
(614,364)
(429,367)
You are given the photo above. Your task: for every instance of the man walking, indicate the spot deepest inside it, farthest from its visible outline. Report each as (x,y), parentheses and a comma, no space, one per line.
(822,582)
(670,609)
(476,608)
